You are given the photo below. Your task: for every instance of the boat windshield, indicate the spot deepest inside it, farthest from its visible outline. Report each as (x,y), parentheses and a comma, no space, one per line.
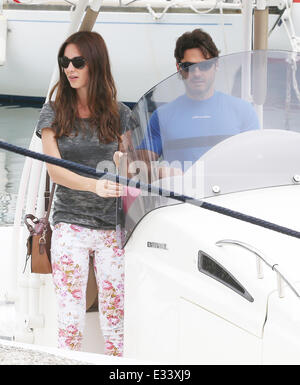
(221,126)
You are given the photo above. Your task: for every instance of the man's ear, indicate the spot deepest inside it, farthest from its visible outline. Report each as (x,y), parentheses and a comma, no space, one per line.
(177,66)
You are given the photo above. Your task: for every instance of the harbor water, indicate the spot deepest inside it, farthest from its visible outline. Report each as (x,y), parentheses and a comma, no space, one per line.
(17,125)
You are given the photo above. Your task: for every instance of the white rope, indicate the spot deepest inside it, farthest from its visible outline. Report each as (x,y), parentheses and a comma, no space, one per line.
(295,41)
(289,27)
(187,4)
(155,15)
(206,11)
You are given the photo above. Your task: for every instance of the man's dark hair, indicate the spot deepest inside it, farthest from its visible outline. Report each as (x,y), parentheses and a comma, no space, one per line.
(195,39)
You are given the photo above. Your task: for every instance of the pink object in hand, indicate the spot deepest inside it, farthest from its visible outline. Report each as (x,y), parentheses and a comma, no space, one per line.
(130,195)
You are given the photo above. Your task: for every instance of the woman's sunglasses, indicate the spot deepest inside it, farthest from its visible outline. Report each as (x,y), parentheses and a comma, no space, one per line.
(78,61)
(202,66)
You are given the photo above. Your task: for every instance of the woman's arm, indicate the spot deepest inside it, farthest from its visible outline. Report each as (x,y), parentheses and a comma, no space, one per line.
(67,178)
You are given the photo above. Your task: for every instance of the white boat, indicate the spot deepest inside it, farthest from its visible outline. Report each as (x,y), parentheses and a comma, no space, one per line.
(201,287)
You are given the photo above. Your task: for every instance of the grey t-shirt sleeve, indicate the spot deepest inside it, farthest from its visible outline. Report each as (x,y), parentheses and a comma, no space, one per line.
(45,120)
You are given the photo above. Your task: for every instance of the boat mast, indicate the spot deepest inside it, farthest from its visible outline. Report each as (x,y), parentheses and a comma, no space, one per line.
(247,11)
(261,19)
(260,62)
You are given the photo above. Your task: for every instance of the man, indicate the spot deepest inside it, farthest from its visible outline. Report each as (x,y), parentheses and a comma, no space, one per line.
(184,129)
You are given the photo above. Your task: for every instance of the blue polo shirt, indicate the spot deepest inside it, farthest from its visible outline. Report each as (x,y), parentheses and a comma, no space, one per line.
(184,129)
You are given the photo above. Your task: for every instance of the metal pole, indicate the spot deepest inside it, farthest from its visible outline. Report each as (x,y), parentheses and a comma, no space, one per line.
(91,15)
(247,12)
(261,20)
(260,62)
(89,20)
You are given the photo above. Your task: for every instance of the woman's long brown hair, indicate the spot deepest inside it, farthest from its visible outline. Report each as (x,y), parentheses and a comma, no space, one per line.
(102,94)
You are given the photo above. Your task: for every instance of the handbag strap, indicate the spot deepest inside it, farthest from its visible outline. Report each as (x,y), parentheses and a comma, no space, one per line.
(47,191)
(48,198)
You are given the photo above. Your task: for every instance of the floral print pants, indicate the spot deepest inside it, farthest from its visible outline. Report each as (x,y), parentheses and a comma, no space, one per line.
(71,248)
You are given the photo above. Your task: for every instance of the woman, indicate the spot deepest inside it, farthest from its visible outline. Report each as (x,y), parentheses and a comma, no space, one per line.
(85,124)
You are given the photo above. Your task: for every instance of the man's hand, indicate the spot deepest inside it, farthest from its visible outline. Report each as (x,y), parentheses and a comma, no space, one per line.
(117,158)
(166,172)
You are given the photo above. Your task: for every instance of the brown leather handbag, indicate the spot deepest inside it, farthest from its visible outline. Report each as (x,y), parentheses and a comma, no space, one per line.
(39,239)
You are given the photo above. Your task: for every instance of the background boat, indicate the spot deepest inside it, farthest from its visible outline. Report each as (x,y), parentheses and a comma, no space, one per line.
(140,36)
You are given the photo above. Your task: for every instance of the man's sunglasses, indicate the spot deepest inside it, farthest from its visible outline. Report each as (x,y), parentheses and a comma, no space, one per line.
(78,61)
(202,66)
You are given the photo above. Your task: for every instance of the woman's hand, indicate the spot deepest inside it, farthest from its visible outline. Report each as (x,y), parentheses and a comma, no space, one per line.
(107,189)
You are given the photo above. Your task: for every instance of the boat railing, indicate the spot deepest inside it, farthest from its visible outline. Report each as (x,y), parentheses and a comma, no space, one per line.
(259,265)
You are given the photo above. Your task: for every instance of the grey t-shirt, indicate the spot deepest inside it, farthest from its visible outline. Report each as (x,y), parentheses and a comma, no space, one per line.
(80,207)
